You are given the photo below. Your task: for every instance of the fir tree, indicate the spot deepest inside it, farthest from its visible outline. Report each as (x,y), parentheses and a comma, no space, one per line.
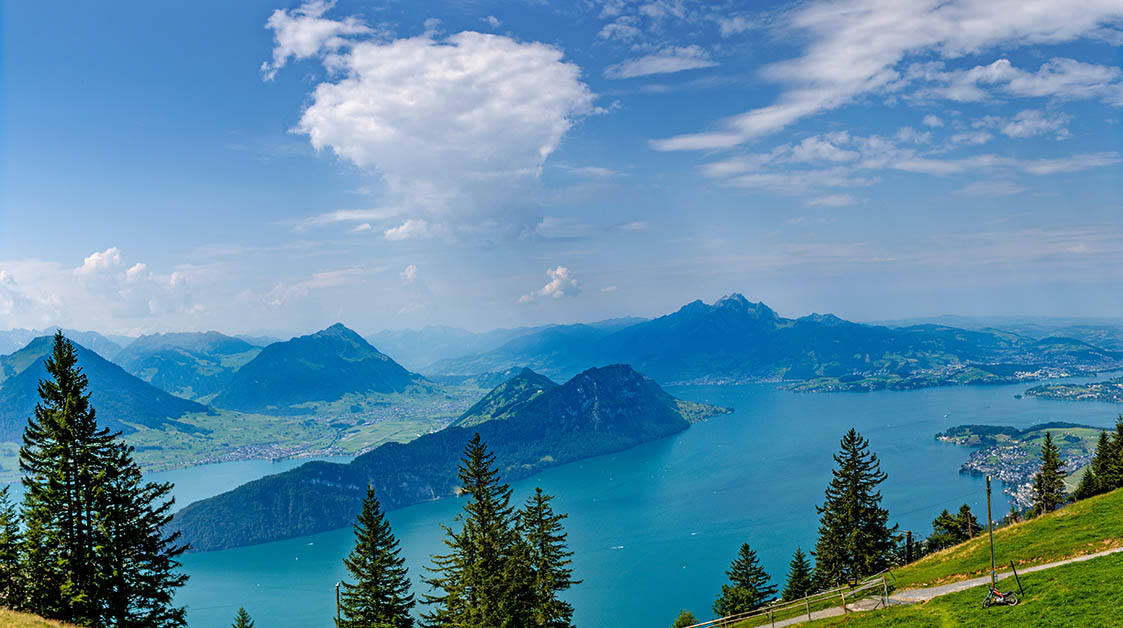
(685,618)
(138,562)
(949,529)
(380,596)
(854,537)
(242,619)
(472,581)
(62,456)
(1048,484)
(11,579)
(799,582)
(748,587)
(1096,476)
(549,561)
(1110,474)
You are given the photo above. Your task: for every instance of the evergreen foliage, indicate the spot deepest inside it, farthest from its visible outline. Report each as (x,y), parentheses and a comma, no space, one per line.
(949,529)
(748,587)
(1048,484)
(549,560)
(62,454)
(800,583)
(93,551)
(1096,477)
(137,561)
(242,619)
(380,596)
(855,539)
(11,580)
(478,582)
(684,619)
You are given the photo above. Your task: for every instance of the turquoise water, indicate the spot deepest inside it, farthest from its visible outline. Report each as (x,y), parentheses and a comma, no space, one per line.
(655,527)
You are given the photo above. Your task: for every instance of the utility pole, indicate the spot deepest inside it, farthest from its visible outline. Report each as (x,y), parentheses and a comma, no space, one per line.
(990,531)
(338,619)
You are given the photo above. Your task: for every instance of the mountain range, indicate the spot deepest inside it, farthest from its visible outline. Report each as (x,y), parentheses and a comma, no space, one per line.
(12,340)
(287,376)
(190,365)
(121,400)
(528,423)
(735,339)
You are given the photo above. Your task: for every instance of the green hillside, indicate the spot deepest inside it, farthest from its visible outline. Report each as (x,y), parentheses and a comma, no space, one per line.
(1086,527)
(1078,594)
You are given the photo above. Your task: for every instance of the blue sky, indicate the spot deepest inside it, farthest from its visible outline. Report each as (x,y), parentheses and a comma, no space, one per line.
(265,166)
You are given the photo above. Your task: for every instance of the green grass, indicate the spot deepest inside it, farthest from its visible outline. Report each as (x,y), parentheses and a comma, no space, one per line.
(12,619)
(1086,527)
(1079,594)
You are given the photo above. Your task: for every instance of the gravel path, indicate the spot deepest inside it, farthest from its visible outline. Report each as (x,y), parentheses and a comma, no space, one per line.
(915,596)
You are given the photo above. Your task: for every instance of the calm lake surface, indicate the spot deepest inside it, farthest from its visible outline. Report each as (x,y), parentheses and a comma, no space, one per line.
(655,527)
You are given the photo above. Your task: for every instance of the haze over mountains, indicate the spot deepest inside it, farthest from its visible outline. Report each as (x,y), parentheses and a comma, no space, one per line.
(121,400)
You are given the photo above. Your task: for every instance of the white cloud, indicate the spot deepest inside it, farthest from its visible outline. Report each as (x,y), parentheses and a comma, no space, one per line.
(458,127)
(492,21)
(991,188)
(409,275)
(1058,78)
(1028,123)
(933,121)
(346,215)
(137,272)
(303,33)
(623,29)
(561,284)
(100,262)
(833,200)
(595,172)
(854,49)
(909,135)
(361,227)
(735,24)
(971,137)
(412,228)
(666,61)
(608,289)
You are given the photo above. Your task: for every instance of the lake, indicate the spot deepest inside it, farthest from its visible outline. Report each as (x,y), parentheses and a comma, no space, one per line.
(655,527)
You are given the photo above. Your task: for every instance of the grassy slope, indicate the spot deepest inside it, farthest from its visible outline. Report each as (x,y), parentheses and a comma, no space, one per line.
(12,619)
(1079,594)
(1082,528)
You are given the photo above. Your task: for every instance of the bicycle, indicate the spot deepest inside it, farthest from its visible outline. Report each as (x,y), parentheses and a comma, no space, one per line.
(997,598)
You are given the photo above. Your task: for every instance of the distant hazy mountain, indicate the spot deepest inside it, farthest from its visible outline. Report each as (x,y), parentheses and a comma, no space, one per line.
(420,349)
(119,398)
(15,339)
(192,365)
(735,339)
(599,411)
(1106,333)
(322,366)
(557,350)
(258,341)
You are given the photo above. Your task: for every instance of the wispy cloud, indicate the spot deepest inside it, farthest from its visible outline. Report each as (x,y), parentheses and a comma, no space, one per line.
(666,61)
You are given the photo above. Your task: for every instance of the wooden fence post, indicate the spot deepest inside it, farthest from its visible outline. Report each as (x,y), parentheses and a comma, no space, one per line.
(808,603)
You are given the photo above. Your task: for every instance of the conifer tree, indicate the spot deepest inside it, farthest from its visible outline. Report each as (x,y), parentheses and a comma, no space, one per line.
(549,561)
(242,619)
(11,579)
(799,582)
(138,562)
(855,539)
(1096,476)
(684,619)
(748,587)
(62,455)
(1111,474)
(949,529)
(472,580)
(1048,484)
(380,596)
